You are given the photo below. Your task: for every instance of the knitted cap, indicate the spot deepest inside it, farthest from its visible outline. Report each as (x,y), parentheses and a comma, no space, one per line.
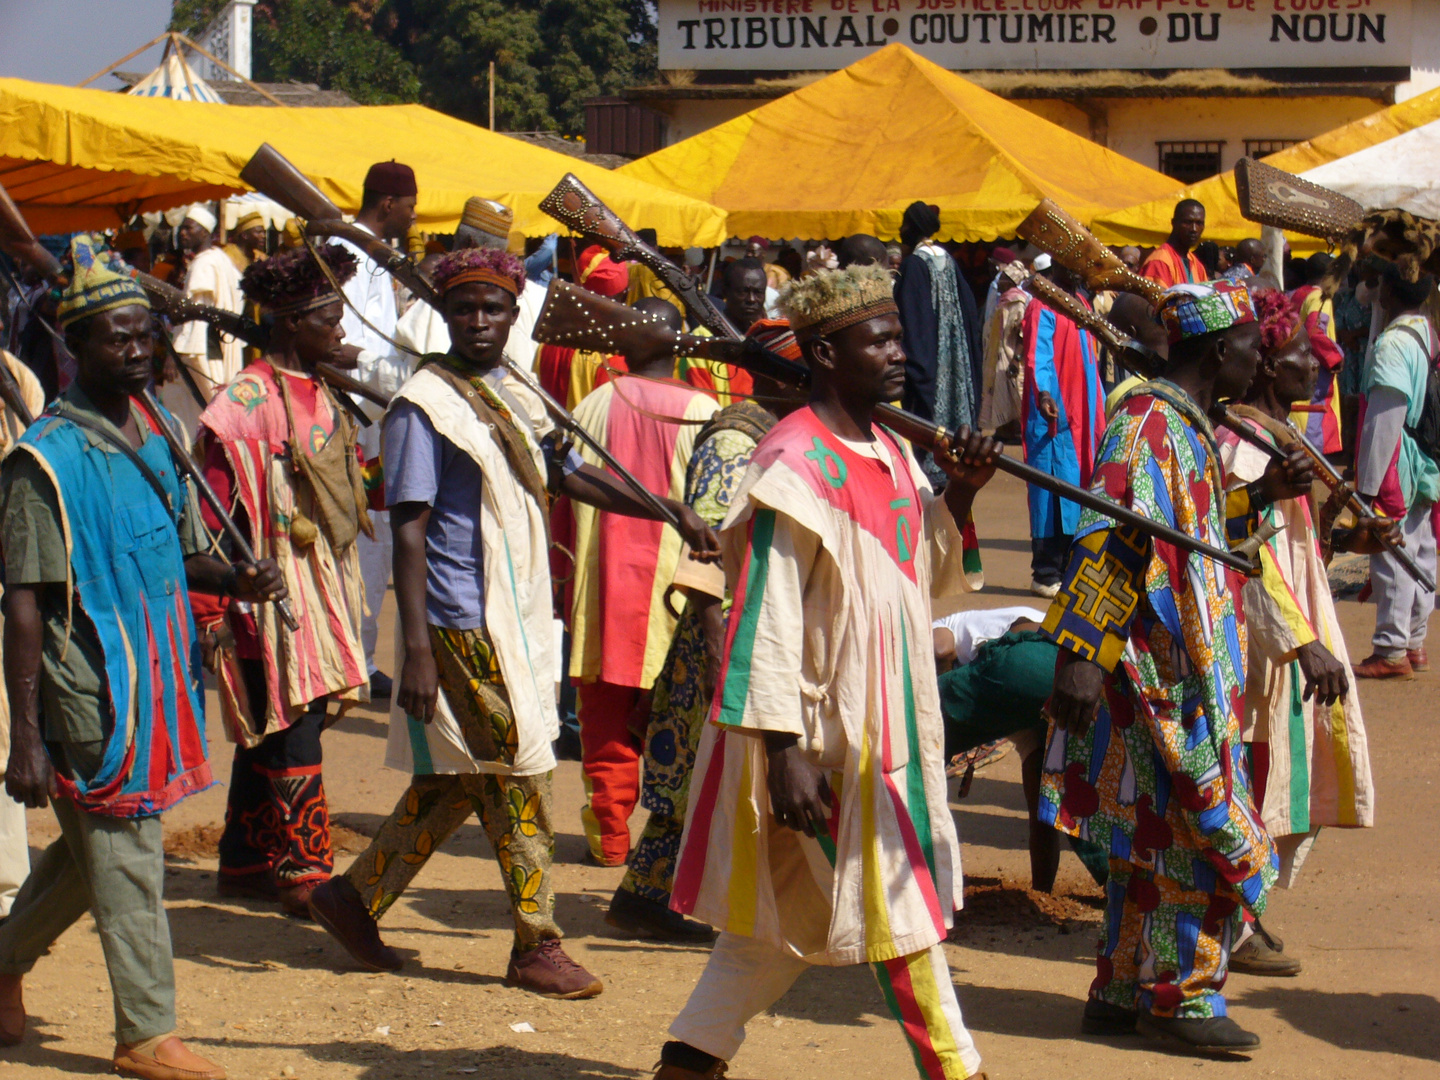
(831,300)
(101,282)
(601,274)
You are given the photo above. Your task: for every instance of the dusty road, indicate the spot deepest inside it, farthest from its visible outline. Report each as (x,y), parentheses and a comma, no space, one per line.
(270,997)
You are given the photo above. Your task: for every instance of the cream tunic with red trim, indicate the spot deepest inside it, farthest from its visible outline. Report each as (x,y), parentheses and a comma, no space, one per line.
(829,639)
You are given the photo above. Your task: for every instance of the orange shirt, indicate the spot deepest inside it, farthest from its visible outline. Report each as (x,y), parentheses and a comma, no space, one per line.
(1166,266)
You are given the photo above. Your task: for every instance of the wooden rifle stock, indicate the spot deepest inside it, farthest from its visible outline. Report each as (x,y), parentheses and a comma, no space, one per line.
(18,241)
(576,206)
(1076,248)
(271,173)
(341,381)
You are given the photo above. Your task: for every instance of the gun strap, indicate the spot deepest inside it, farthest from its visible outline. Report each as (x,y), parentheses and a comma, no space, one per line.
(125,448)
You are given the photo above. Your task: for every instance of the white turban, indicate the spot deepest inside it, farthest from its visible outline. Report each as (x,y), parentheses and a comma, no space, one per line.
(1041,262)
(201,215)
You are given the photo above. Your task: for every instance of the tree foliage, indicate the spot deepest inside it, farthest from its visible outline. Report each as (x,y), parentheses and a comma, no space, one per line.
(550,56)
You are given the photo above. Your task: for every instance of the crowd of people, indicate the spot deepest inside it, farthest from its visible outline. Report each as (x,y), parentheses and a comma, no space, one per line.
(739,620)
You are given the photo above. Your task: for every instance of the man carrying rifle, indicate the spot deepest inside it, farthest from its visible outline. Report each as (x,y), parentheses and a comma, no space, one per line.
(1144,754)
(387,209)
(277,447)
(210,278)
(466,447)
(101,540)
(819,830)
(1302,724)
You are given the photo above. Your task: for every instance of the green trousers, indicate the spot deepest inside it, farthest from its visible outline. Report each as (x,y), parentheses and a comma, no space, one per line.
(113,868)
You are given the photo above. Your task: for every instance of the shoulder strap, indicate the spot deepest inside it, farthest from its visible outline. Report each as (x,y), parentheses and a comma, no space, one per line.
(1424,345)
(125,448)
(502,428)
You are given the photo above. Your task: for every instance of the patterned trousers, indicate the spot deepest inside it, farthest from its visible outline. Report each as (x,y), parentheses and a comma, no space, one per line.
(277,822)
(1165,948)
(514,810)
(744,977)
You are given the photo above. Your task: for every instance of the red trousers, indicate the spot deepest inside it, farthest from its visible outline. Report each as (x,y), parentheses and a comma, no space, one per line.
(610,755)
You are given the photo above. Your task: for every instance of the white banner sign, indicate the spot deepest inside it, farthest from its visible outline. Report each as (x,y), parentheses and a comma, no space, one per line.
(809,35)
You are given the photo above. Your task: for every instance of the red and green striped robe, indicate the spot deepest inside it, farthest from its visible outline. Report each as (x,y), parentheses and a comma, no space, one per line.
(829,639)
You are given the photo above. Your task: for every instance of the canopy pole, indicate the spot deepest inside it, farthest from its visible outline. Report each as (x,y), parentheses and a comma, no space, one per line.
(492,95)
(128,56)
(710,273)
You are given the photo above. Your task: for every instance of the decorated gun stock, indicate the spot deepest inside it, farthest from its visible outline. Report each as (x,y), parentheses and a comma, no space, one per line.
(1271,196)
(580,209)
(1078,249)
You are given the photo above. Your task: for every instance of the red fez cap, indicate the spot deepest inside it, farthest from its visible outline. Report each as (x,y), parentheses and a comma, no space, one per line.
(391,178)
(1003,256)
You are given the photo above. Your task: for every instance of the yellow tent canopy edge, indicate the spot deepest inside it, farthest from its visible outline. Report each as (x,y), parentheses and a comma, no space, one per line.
(77,159)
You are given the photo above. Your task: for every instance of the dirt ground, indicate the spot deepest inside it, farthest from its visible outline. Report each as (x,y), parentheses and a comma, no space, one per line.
(269,996)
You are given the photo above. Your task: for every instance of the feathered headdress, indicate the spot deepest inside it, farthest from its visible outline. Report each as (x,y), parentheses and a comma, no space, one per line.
(291,281)
(489,266)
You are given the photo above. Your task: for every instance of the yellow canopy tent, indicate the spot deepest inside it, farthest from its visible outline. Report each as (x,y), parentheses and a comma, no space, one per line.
(848,153)
(84,159)
(1149,222)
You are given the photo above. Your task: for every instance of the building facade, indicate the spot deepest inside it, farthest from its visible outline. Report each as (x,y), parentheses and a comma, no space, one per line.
(1184,86)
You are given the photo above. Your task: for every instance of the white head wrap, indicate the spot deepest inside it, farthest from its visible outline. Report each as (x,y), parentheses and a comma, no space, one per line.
(201,215)
(1041,262)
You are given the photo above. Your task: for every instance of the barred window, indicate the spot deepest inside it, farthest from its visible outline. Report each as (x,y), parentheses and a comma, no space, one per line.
(1190,162)
(1259,148)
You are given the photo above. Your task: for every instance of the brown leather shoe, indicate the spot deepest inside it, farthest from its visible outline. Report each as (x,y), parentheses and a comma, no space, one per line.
(336,905)
(1419,659)
(169,1061)
(547,970)
(295,899)
(1379,667)
(12,1010)
(1257,957)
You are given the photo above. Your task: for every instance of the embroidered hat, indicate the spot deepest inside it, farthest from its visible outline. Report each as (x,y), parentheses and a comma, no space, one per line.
(101,282)
(489,217)
(291,281)
(601,274)
(831,300)
(248,220)
(485,265)
(777,336)
(391,178)
(1190,311)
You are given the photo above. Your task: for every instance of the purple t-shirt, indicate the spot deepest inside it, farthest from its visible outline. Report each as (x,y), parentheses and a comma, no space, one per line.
(421,465)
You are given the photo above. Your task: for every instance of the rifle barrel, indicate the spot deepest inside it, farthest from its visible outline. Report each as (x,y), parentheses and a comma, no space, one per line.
(186,462)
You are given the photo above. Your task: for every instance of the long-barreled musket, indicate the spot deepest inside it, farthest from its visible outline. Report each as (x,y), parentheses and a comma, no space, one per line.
(576,206)
(1073,246)
(187,463)
(181,308)
(17,239)
(580,319)
(270,173)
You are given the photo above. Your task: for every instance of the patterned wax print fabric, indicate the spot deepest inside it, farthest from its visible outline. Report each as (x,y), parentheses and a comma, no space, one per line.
(249,450)
(1164,947)
(1160,778)
(1316,769)
(1062,360)
(514,810)
(828,639)
(1320,417)
(677,716)
(621,626)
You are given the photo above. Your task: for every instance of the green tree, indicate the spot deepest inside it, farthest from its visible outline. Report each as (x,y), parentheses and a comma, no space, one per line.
(335,46)
(550,56)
